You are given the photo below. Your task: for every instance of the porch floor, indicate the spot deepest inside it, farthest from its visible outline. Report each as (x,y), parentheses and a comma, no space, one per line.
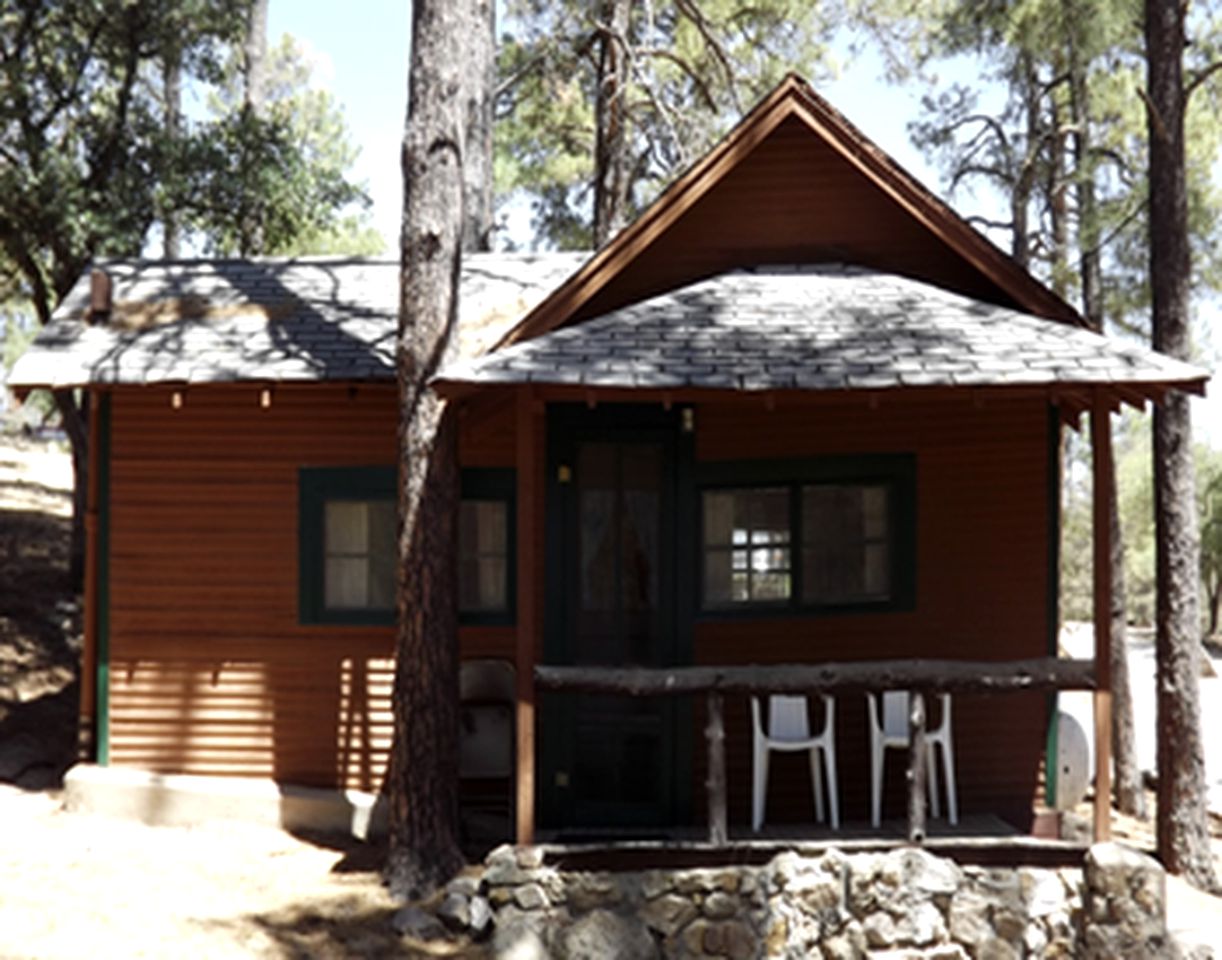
(977,839)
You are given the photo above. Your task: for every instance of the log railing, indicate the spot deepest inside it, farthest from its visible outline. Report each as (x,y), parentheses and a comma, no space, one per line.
(921,677)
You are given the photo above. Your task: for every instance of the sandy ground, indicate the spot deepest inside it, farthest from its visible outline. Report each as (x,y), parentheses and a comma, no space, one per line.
(77,885)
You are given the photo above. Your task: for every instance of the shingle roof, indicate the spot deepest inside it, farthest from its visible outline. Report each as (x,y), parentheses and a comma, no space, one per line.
(820,327)
(277,319)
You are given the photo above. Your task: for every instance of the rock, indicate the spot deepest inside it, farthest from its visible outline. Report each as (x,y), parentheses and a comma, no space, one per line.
(529,858)
(479,916)
(776,937)
(729,939)
(603,935)
(518,940)
(531,897)
(997,950)
(418,924)
(464,885)
(668,914)
(455,911)
(924,873)
(654,883)
(969,918)
(879,929)
(1125,898)
(1043,891)
(921,925)
(720,906)
(849,945)
(593,891)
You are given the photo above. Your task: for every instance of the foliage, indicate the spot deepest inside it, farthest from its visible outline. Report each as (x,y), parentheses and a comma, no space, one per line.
(692,70)
(283,168)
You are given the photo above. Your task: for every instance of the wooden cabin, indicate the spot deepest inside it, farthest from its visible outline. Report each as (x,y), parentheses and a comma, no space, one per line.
(798,413)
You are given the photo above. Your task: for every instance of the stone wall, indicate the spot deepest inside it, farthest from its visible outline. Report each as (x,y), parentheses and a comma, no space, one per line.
(901,904)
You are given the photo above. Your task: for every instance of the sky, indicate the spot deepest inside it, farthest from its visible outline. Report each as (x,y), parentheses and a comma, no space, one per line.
(362,60)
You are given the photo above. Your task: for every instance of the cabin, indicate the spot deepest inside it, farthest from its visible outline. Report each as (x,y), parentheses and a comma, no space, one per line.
(796,429)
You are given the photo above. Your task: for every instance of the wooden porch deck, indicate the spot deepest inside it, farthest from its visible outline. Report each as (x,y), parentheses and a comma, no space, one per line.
(982,839)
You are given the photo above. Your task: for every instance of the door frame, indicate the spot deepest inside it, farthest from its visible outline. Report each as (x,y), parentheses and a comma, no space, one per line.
(568,424)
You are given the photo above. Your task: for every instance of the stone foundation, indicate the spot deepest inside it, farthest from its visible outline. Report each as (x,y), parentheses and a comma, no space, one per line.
(904,904)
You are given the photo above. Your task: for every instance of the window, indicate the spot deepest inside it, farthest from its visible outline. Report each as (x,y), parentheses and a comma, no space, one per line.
(828,534)
(347,530)
(485,546)
(347,544)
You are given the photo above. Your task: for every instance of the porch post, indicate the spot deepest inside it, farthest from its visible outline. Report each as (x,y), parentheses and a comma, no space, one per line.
(1101,456)
(529,463)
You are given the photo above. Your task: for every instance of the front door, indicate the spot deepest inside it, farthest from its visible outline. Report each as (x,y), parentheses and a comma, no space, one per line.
(611,585)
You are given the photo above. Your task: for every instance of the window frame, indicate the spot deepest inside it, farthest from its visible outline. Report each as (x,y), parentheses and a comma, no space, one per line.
(897,472)
(497,484)
(315,486)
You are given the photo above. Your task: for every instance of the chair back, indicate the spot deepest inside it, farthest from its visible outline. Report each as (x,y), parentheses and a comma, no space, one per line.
(895,713)
(787,718)
(485,741)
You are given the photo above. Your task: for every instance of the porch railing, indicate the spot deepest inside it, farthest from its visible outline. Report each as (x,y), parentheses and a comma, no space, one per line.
(920,677)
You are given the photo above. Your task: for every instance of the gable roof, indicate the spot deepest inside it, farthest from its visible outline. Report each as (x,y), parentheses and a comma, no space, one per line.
(275,319)
(821,327)
(799,141)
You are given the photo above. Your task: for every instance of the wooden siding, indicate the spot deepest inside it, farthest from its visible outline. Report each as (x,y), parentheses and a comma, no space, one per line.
(981,589)
(793,199)
(211,670)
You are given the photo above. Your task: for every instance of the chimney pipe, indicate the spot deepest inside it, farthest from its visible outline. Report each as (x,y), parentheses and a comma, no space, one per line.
(99,296)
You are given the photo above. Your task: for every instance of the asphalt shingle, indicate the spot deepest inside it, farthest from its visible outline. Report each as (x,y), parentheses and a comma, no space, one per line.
(818,328)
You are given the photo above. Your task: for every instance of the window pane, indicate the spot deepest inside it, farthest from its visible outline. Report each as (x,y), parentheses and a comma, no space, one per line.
(483,561)
(347,583)
(346,527)
(754,522)
(845,531)
(382,554)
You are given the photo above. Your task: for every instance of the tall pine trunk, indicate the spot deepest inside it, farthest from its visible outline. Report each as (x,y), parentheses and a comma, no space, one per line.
(610,120)
(423,770)
(1183,834)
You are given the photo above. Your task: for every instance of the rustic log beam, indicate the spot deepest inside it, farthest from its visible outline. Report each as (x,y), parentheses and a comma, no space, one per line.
(715,733)
(916,767)
(931,676)
(1101,458)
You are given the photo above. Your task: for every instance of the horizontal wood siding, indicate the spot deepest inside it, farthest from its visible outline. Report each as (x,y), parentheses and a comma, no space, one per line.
(211,670)
(981,589)
(792,200)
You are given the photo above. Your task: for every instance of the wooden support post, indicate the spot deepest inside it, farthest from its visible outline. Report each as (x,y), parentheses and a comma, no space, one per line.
(529,465)
(715,732)
(1101,456)
(89,655)
(916,767)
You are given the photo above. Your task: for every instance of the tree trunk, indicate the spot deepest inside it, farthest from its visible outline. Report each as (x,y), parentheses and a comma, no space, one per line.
(477,158)
(1183,834)
(610,120)
(254,62)
(171,76)
(254,96)
(1129,796)
(423,771)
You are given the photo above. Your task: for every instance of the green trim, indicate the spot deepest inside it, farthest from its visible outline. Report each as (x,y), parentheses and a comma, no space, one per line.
(102,694)
(496,483)
(1052,747)
(316,485)
(896,470)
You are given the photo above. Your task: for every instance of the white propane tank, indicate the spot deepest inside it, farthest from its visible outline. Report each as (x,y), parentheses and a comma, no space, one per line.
(1073,762)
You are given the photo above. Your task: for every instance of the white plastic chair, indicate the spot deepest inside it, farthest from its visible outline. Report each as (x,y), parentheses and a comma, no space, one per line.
(789,729)
(892,731)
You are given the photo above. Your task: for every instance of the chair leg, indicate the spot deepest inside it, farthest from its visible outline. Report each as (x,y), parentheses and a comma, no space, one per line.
(948,774)
(816,782)
(876,788)
(833,793)
(759,787)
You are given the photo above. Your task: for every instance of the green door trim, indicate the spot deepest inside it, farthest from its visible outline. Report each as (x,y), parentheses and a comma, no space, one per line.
(569,424)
